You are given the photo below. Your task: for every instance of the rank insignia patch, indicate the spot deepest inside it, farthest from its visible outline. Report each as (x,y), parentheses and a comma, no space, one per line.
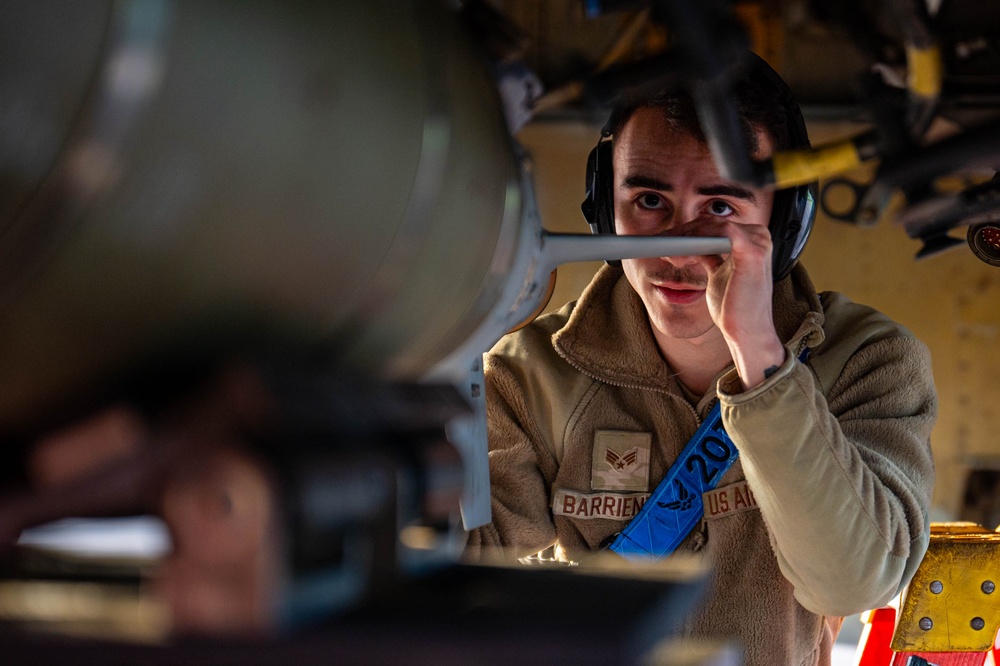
(621,460)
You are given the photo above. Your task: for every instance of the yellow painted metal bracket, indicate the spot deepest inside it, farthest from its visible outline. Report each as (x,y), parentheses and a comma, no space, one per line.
(798,167)
(953,602)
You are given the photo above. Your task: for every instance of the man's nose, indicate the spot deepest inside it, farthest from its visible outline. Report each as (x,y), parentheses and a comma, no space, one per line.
(679,217)
(681,260)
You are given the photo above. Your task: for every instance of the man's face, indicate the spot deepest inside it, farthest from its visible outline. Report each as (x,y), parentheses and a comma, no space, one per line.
(665,179)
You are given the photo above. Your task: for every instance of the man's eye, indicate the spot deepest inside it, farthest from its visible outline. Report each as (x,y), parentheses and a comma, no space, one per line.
(650,201)
(720,208)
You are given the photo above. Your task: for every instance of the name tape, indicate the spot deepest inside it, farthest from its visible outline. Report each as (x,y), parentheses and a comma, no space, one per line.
(728,500)
(613,506)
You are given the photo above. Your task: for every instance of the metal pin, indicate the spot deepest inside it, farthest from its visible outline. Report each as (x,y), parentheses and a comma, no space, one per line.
(925,623)
(937,587)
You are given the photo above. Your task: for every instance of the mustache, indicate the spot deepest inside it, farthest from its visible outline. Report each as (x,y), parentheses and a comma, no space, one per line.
(683,275)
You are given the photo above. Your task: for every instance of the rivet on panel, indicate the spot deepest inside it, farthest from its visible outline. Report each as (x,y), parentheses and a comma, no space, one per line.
(988,587)
(936,587)
(925,623)
(977,623)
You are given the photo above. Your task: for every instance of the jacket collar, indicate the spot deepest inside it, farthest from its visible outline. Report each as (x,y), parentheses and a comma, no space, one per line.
(608,335)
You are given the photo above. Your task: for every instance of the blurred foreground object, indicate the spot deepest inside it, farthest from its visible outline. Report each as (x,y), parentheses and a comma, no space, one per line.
(326,197)
(465,614)
(180,178)
(182,182)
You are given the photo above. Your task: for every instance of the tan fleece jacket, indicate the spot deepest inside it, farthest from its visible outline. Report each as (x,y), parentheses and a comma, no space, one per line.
(825,513)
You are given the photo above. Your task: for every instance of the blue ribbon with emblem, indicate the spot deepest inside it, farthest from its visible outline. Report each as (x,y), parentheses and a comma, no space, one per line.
(676,506)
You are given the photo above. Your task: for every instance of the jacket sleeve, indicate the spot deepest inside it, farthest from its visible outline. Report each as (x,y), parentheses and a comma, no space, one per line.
(522,519)
(844,483)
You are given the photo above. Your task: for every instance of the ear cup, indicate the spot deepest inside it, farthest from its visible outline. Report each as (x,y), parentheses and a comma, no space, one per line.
(792,218)
(599,206)
(591,189)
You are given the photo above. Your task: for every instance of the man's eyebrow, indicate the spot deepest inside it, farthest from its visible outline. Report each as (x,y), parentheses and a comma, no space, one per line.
(734,191)
(646,182)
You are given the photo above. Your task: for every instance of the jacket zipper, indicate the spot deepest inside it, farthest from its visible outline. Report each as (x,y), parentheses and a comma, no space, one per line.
(694,412)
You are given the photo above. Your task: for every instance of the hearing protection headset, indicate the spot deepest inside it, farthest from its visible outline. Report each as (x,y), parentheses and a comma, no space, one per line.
(793,211)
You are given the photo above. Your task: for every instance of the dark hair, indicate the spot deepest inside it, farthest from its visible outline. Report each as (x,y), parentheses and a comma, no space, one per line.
(757,107)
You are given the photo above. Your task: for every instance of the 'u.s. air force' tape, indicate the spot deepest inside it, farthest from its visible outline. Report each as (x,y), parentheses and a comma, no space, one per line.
(675,507)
